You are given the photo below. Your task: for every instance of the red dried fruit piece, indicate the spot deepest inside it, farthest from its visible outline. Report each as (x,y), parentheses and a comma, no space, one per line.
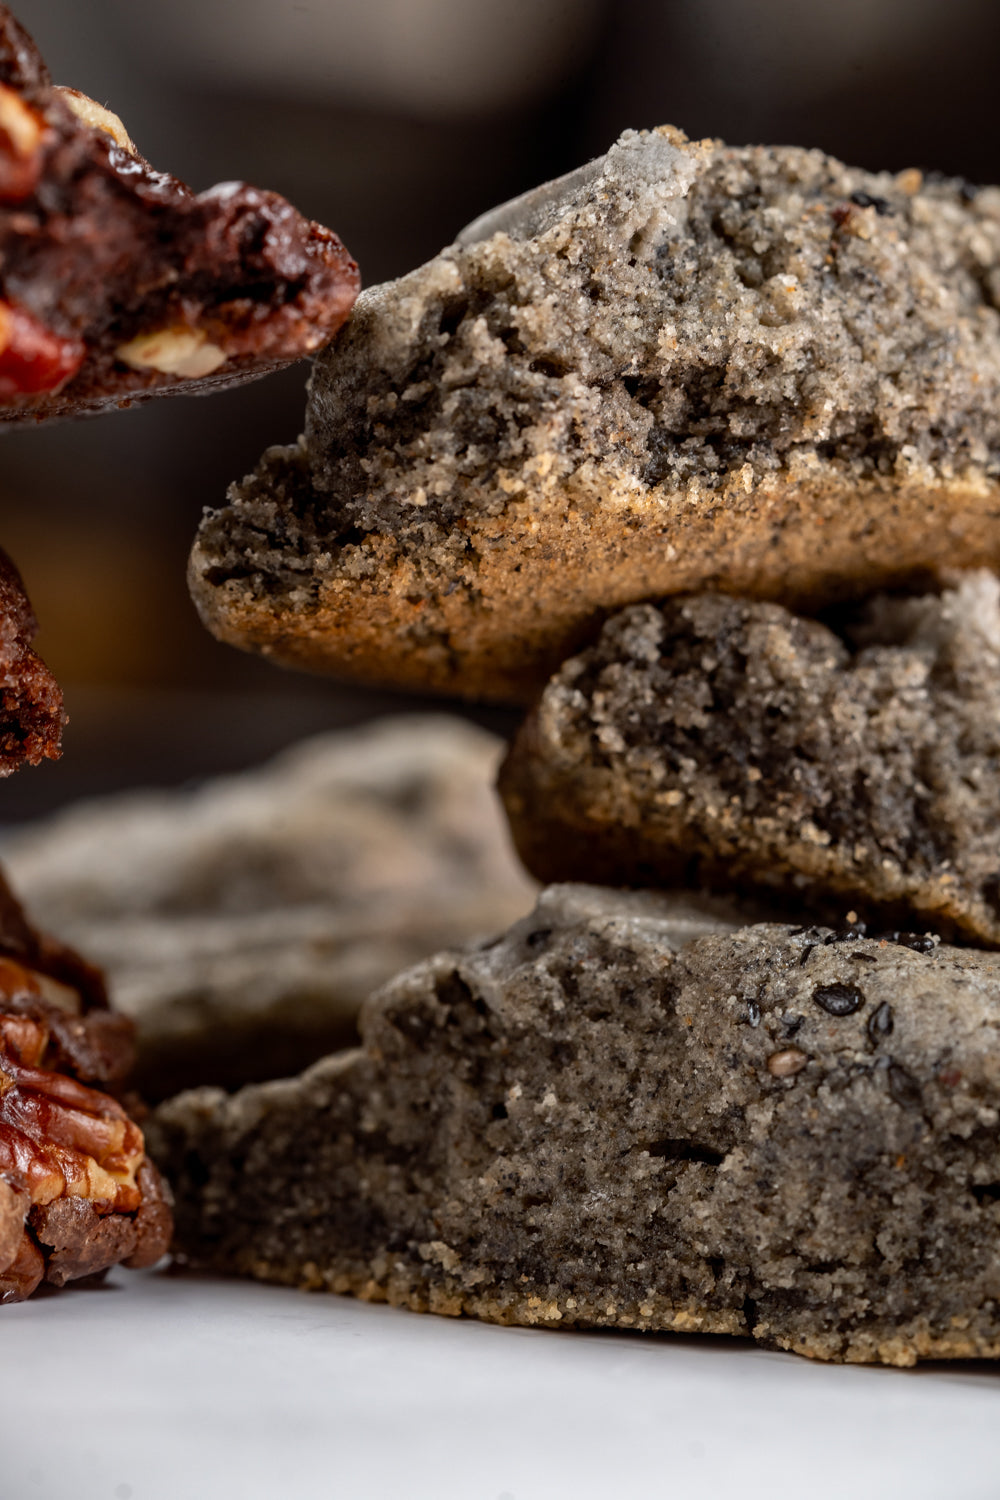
(77,1192)
(31,358)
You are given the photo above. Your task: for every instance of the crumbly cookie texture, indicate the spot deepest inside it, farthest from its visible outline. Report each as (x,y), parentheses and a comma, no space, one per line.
(242,924)
(31,703)
(629,1112)
(716,741)
(686,365)
(117,282)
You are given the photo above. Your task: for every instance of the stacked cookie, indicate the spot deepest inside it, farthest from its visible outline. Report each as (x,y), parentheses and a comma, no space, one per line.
(763,1097)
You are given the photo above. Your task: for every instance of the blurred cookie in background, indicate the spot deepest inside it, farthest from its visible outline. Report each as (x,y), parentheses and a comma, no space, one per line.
(242,923)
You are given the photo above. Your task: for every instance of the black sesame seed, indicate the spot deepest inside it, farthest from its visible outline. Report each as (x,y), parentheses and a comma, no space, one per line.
(880,1023)
(882,206)
(904,1089)
(838,999)
(920,942)
(847,934)
(753,1013)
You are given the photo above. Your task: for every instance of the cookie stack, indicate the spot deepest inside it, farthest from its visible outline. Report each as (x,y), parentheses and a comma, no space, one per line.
(702,431)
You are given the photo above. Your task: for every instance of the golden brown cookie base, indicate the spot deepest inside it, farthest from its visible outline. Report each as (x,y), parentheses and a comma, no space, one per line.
(494,610)
(544,1306)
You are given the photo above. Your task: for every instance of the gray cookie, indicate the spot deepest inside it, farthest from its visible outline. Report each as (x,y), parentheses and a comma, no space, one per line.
(720,741)
(243,923)
(631,1112)
(687,365)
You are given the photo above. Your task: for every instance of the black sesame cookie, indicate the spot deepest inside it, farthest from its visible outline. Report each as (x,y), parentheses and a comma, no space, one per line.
(686,365)
(719,741)
(630,1112)
(242,923)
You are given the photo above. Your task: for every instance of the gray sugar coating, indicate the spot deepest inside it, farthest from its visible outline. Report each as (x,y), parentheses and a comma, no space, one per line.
(672,367)
(632,1114)
(719,741)
(242,923)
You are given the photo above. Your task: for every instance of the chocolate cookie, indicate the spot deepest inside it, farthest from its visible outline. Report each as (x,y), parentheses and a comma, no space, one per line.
(630,1113)
(721,742)
(77,1192)
(242,924)
(31,705)
(684,366)
(117,282)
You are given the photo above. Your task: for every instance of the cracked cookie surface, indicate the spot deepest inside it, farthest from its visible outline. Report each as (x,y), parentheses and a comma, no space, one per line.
(241,924)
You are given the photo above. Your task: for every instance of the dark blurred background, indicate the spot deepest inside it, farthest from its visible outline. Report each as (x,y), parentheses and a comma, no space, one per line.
(395,122)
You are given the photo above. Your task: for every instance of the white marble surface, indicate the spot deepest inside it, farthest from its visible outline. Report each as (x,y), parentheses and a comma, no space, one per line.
(170,1388)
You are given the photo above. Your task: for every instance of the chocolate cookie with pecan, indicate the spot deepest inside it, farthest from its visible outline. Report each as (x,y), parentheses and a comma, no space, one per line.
(31,711)
(118,282)
(77,1192)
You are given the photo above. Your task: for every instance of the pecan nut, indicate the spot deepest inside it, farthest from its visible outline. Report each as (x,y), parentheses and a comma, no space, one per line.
(22,130)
